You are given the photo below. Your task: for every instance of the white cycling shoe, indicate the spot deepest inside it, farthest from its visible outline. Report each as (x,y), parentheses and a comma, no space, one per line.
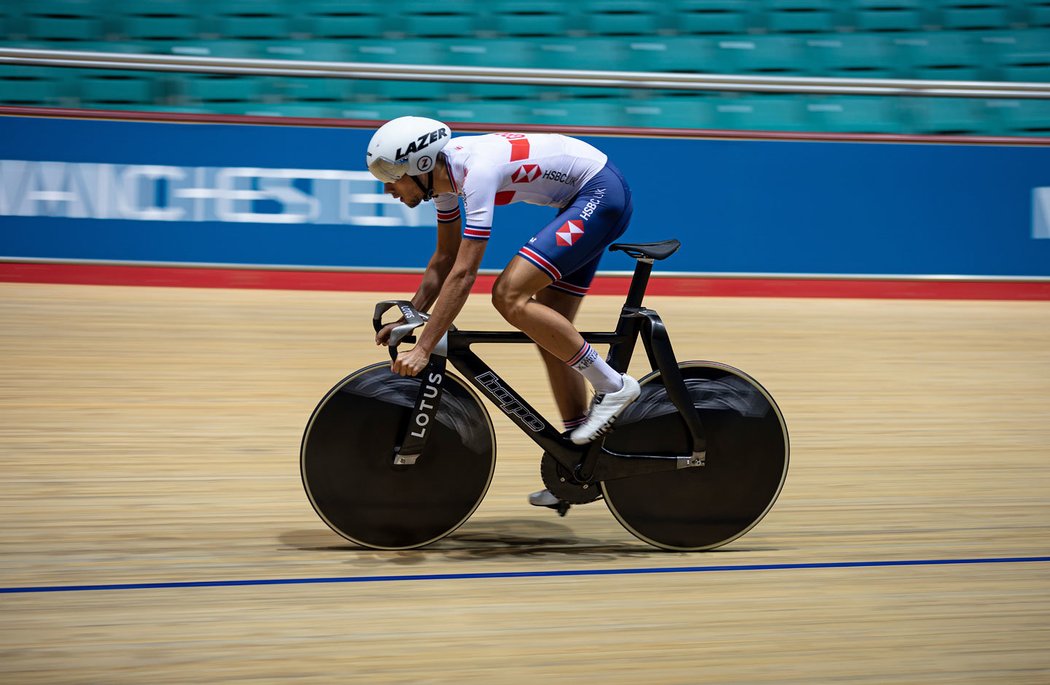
(604,410)
(543,498)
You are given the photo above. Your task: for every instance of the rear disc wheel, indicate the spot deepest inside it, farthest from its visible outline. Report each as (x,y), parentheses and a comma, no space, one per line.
(701,507)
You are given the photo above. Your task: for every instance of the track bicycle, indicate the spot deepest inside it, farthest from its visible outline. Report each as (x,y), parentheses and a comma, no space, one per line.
(398,463)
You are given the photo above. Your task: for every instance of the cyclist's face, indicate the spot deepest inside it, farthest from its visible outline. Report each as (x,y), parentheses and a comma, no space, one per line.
(404,189)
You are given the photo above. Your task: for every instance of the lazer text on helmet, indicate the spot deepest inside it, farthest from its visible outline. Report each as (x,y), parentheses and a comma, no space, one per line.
(421,142)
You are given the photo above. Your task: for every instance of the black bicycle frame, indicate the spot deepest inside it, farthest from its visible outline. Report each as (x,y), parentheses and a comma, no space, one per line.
(588,463)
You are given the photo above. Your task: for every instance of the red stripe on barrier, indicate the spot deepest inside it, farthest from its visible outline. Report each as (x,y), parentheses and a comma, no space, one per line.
(687,286)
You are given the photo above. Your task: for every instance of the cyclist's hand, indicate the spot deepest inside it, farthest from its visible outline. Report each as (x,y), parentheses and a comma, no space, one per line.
(410,363)
(383,336)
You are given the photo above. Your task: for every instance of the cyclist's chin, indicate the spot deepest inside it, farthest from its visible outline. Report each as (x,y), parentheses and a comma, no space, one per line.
(411,203)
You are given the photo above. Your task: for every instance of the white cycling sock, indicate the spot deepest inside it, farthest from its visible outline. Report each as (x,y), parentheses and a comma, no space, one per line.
(573,424)
(596,370)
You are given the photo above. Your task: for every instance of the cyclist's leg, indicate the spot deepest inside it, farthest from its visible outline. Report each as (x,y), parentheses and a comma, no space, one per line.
(569,388)
(513,295)
(565,254)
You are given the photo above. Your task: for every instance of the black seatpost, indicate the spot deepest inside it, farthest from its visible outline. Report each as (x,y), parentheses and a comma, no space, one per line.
(628,326)
(639,282)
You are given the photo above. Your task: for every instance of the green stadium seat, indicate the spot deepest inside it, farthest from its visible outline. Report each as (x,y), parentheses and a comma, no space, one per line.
(412,91)
(208,89)
(11,20)
(65,20)
(384,111)
(158,20)
(855,114)
(33,86)
(1037,14)
(477,52)
(801,16)
(888,15)
(501,91)
(860,55)
(482,112)
(713,17)
(598,54)
(399,52)
(771,55)
(947,116)
(684,54)
(248,20)
(588,54)
(317,90)
(255,109)
(576,113)
(1025,117)
(473,52)
(11,23)
(104,87)
(339,19)
(428,19)
(691,111)
(395,52)
(530,18)
(160,109)
(760,113)
(119,47)
(623,17)
(238,49)
(940,55)
(308,50)
(962,15)
(1020,55)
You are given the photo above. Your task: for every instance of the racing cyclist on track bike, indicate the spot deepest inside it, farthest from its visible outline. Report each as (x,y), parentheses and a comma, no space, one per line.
(539,292)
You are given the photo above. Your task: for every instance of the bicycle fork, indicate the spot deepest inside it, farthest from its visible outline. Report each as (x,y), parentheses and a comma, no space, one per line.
(424,411)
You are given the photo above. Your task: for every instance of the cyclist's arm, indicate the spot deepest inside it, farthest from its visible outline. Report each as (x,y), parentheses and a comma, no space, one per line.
(448,240)
(454,293)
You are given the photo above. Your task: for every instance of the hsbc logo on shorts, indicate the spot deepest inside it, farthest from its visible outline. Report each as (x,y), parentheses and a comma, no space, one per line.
(526,173)
(569,233)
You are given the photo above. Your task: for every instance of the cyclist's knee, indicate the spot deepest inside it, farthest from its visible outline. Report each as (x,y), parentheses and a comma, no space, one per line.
(507,301)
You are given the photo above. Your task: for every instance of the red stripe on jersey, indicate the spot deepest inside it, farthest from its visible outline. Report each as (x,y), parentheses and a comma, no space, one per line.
(505,197)
(476,233)
(519,148)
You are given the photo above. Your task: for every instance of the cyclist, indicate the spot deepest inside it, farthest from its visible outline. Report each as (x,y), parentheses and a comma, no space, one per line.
(540,290)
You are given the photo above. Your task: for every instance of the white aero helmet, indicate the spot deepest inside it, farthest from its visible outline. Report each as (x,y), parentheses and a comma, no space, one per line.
(406,145)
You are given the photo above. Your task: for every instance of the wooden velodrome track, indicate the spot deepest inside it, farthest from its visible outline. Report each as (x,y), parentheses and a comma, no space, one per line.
(149,442)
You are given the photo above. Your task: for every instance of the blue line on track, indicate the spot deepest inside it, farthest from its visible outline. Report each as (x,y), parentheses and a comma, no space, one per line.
(522,574)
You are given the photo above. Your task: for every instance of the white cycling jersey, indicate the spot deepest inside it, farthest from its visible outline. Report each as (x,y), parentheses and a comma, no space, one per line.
(501,168)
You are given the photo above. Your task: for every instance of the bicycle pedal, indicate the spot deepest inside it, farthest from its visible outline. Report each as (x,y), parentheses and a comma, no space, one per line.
(561,507)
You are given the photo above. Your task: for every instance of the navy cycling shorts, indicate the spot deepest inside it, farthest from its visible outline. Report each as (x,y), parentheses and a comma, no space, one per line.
(569,248)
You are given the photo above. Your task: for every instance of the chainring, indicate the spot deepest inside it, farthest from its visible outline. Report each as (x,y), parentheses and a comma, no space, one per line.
(563,485)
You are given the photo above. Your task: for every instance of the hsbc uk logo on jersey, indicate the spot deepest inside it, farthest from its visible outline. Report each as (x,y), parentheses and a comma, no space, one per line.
(526,173)
(569,233)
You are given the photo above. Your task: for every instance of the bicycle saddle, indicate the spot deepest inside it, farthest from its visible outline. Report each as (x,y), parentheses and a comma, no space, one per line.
(661,250)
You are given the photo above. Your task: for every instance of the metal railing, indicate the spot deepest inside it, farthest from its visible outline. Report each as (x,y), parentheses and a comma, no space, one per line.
(512,76)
